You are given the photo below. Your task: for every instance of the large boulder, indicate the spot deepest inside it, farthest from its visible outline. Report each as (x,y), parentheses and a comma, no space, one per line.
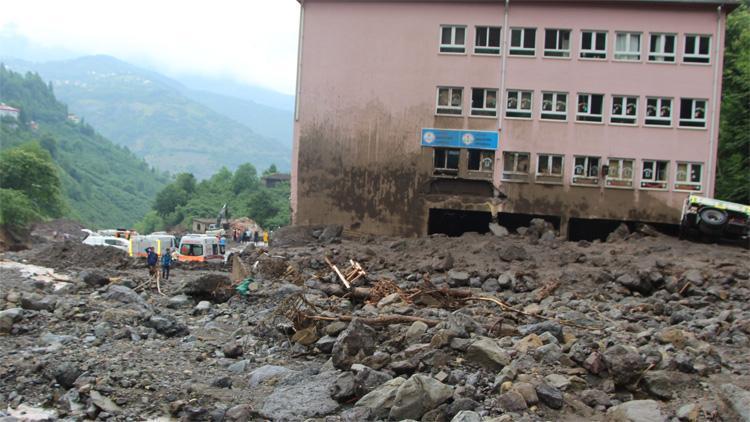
(486,352)
(93,278)
(216,287)
(353,344)
(417,395)
(381,399)
(300,396)
(636,411)
(167,326)
(736,402)
(9,317)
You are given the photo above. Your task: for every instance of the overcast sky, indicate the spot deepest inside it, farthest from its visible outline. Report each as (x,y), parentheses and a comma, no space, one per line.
(252,41)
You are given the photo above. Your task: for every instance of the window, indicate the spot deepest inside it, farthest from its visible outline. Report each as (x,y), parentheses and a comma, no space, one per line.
(628,46)
(522,41)
(487,40)
(452,39)
(446,161)
(697,49)
(589,107)
(557,43)
(519,104)
(593,44)
(481,160)
(483,102)
(516,166)
(555,105)
(654,174)
(620,173)
(692,113)
(688,177)
(586,171)
(449,101)
(191,250)
(549,168)
(624,110)
(659,111)
(661,48)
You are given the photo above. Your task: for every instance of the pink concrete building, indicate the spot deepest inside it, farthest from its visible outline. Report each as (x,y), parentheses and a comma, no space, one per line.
(429,116)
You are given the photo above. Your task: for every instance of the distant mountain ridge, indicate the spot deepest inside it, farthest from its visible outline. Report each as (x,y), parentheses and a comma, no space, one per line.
(174,128)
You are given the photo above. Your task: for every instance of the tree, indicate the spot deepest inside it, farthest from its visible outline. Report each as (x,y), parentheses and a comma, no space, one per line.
(168,199)
(186,182)
(30,170)
(261,207)
(733,161)
(245,178)
(270,170)
(16,210)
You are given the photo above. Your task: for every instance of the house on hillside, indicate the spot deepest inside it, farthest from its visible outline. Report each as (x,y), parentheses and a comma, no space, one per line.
(8,111)
(73,118)
(275,179)
(200,225)
(429,117)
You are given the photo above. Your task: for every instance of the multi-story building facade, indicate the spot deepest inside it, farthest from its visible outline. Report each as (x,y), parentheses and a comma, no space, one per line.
(417,117)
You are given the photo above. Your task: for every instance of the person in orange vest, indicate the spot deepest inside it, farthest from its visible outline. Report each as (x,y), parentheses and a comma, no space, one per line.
(265,237)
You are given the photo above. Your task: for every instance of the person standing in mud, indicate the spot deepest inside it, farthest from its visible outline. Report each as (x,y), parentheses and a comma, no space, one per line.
(166,262)
(151,259)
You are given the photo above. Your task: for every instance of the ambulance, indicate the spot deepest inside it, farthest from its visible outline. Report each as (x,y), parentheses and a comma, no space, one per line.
(160,241)
(199,248)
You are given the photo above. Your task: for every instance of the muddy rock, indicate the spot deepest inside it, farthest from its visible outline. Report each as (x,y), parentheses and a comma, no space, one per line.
(512,402)
(620,233)
(498,230)
(736,401)
(36,302)
(636,411)
(353,344)
(8,317)
(636,283)
(93,278)
(380,400)
(331,232)
(417,395)
(300,396)
(467,416)
(513,253)
(550,396)
(66,374)
(167,326)
(124,295)
(624,364)
(487,353)
(214,286)
(664,384)
(266,372)
(540,328)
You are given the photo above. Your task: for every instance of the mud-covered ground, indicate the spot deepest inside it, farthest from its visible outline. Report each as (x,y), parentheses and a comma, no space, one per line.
(511,328)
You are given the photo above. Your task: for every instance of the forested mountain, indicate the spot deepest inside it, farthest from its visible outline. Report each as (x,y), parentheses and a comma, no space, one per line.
(102,184)
(157,119)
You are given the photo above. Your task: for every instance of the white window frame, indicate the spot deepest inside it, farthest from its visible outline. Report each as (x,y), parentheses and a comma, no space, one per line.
(557,53)
(555,101)
(595,34)
(453,44)
(521,49)
(588,112)
(627,55)
(516,175)
(519,99)
(695,57)
(483,112)
(652,179)
(487,41)
(693,108)
(486,161)
(624,101)
(450,89)
(550,178)
(619,180)
(659,106)
(587,169)
(662,54)
(678,183)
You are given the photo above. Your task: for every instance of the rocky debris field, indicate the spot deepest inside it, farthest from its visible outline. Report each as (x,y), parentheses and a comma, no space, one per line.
(497,327)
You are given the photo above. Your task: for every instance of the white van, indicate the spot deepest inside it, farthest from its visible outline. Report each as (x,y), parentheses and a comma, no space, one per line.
(199,248)
(95,239)
(160,241)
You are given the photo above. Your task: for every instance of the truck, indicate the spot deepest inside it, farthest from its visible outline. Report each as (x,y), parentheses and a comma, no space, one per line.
(716,219)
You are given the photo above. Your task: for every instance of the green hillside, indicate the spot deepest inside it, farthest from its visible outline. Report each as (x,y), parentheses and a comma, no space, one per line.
(152,116)
(103,185)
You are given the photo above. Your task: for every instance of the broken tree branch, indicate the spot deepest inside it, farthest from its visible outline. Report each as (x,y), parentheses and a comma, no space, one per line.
(341,276)
(381,320)
(509,308)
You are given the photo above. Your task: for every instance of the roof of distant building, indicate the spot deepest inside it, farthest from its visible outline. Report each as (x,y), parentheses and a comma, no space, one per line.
(4,106)
(278,176)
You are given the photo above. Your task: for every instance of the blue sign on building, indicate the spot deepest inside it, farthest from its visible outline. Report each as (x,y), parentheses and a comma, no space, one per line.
(451,138)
